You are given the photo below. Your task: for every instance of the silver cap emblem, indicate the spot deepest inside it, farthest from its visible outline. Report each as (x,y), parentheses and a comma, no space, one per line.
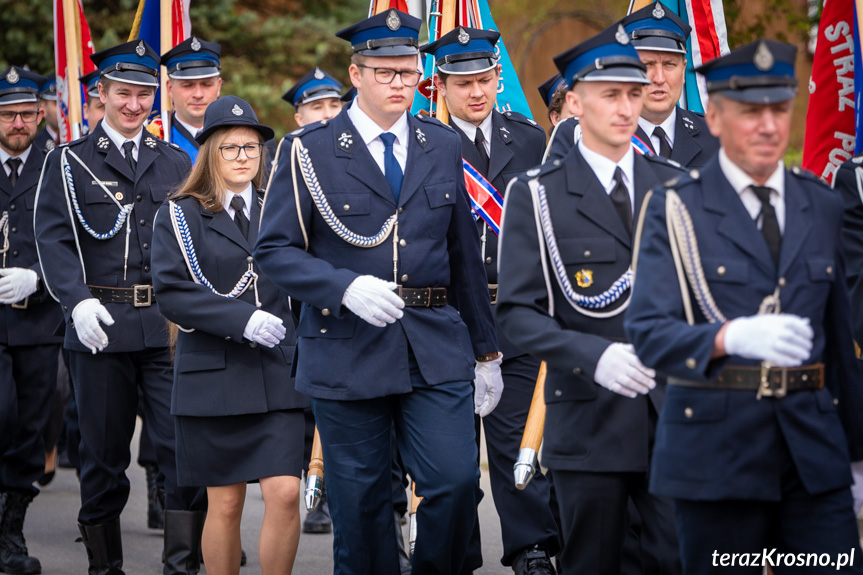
(463,36)
(393,21)
(196,44)
(763,57)
(319,74)
(658,11)
(139,49)
(236,110)
(621,36)
(12,77)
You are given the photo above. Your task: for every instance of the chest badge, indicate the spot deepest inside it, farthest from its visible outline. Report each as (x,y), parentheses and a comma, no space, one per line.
(346,141)
(119,196)
(584,278)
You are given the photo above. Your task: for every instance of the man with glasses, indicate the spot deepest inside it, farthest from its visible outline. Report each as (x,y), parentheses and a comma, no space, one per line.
(29,350)
(378,242)
(499,146)
(93,220)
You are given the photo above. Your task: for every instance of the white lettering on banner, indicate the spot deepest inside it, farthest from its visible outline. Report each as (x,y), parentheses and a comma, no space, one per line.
(844,65)
(839,155)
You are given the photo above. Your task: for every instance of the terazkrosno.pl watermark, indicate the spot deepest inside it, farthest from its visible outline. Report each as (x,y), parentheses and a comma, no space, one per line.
(774,558)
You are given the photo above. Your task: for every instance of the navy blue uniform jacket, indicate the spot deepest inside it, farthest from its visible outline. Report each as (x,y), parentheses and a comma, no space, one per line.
(161,169)
(216,371)
(340,356)
(36,324)
(694,145)
(587,427)
(723,444)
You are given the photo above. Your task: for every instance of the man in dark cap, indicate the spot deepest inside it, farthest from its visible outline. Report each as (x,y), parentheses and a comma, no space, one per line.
(94,109)
(49,135)
(565,279)
(315,97)
(378,242)
(499,146)
(764,391)
(93,219)
(553,94)
(28,317)
(664,127)
(194,83)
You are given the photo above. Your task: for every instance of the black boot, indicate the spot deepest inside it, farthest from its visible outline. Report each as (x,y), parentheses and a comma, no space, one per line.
(183,542)
(104,548)
(533,561)
(155,499)
(13,549)
(318,520)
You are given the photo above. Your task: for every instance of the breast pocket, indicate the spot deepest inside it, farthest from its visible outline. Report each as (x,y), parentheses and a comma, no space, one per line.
(592,264)
(821,270)
(721,270)
(441,199)
(348,205)
(158,192)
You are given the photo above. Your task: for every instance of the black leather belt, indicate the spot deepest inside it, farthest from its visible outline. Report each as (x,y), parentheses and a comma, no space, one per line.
(492,293)
(137,295)
(775,382)
(423,297)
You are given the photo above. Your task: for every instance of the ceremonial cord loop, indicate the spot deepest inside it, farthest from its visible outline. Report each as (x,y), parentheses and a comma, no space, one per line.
(187,247)
(581,303)
(69,184)
(4,226)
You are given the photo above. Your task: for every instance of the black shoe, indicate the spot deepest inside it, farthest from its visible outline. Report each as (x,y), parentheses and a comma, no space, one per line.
(104,546)
(155,499)
(14,558)
(183,542)
(45,479)
(318,520)
(242,558)
(534,561)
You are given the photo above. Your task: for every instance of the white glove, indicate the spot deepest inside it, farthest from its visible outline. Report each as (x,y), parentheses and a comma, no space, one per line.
(373,300)
(782,339)
(16,284)
(488,386)
(86,317)
(265,328)
(619,370)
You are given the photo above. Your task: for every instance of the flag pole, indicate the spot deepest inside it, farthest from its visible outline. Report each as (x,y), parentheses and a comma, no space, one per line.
(447,23)
(73,86)
(166,42)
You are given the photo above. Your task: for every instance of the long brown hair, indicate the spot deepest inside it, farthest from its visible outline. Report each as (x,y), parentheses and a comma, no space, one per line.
(204,182)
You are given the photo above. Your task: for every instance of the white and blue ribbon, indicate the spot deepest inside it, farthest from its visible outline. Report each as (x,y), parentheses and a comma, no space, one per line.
(69,184)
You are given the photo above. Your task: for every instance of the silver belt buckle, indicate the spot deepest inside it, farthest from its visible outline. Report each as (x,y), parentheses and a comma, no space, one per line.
(147,290)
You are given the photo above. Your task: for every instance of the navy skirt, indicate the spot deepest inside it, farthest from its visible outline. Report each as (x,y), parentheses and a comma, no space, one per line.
(230,449)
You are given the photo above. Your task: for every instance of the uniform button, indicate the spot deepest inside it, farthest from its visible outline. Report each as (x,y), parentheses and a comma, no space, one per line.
(346,207)
(402,243)
(228,338)
(146,246)
(577,371)
(488,260)
(146,269)
(721,270)
(404,278)
(253,345)
(782,282)
(829,270)
(446,196)
(401,210)
(688,413)
(323,330)
(325,311)
(691,363)
(587,254)
(142,222)
(12,207)
(835,401)
(557,393)
(14,230)
(139,197)
(15,253)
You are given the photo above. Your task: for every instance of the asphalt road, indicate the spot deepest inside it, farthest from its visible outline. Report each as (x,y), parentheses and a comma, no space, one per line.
(51,530)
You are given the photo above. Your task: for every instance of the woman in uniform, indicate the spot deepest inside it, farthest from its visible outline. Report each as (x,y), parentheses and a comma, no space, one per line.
(237,415)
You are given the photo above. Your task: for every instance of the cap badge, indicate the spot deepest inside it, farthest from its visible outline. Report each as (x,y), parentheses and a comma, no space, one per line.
(319,74)
(584,278)
(12,77)
(196,44)
(621,36)
(393,21)
(463,36)
(763,57)
(236,110)
(140,50)
(658,11)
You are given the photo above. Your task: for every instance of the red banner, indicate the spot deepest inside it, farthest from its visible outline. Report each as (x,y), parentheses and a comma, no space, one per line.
(830,131)
(82,31)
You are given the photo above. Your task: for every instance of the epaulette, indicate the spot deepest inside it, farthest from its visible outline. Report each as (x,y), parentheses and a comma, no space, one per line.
(77,142)
(657,159)
(542,169)
(686,178)
(306,129)
(433,121)
(805,174)
(521,118)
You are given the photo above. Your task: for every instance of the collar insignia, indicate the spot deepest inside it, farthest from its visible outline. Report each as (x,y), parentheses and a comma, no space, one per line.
(49,145)
(346,141)
(421,137)
(505,134)
(150,142)
(393,21)
(140,50)
(103,143)
(687,122)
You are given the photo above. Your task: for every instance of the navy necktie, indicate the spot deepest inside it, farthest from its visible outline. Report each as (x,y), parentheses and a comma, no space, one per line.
(128,147)
(392,169)
(479,142)
(240,218)
(769,222)
(13,164)
(664,148)
(621,201)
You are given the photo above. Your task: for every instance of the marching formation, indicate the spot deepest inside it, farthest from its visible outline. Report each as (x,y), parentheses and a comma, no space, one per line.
(669,297)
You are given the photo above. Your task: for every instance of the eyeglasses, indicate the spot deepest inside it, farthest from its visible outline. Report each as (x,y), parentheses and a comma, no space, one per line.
(27,116)
(231,152)
(409,78)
